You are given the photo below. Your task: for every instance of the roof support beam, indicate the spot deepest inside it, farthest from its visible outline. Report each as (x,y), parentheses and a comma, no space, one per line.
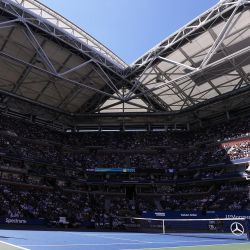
(138,82)
(108,81)
(219,40)
(122,102)
(82,85)
(9,94)
(9,24)
(176,63)
(177,88)
(192,62)
(75,91)
(67,32)
(237,68)
(7,39)
(40,51)
(76,68)
(236,54)
(50,80)
(191,28)
(26,72)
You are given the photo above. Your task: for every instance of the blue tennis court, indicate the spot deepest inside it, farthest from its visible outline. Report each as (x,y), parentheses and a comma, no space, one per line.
(60,240)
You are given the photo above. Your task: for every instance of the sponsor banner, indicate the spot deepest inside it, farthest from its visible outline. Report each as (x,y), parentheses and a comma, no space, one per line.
(196,214)
(21,221)
(239,161)
(198,226)
(112,170)
(230,214)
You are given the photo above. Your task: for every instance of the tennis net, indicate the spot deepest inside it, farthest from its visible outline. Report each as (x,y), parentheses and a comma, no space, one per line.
(230,228)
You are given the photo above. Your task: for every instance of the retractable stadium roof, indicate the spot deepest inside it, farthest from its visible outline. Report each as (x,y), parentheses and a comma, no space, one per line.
(51,68)
(207,58)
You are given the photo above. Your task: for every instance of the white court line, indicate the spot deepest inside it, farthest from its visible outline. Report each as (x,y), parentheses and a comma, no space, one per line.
(159,248)
(8,244)
(92,244)
(118,243)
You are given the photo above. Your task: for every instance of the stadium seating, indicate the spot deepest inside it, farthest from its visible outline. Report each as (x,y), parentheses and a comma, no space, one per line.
(51,174)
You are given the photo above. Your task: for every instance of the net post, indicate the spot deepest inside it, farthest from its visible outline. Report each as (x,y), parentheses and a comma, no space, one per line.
(163,226)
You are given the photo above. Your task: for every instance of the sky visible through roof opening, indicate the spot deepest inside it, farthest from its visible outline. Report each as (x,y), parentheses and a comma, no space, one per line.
(130,27)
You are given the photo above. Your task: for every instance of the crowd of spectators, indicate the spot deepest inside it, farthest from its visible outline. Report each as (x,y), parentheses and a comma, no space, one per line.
(92,210)
(214,201)
(172,149)
(50,205)
(57,163)
(89,158)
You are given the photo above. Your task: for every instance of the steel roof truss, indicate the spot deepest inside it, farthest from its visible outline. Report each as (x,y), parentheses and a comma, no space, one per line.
(7,39)
(9,24)
(51,78)
(26,72)
(207,17)
(69,81)
(238,53)
(73,93)
(82,65)
(34,42)
(176,63)
(192,62)
(224,32)
(176,87)
(122,102)
(138,81)
(109,82)
(237,68)
(85,43)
